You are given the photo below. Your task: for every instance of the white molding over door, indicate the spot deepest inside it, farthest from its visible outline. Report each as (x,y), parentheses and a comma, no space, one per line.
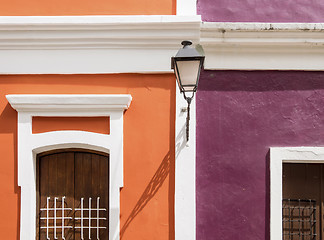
(70,103)
(278,156)
(29,145)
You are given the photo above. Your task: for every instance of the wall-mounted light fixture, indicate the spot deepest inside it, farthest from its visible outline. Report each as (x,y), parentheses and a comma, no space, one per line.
(187,65)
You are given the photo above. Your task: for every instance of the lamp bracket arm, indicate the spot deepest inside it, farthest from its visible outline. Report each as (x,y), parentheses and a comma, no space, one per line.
(188,99)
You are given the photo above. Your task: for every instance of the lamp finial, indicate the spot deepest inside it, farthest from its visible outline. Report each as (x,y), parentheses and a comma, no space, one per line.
(186,43)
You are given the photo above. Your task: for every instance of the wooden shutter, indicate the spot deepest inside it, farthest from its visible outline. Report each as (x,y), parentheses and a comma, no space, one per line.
(73,174)
(303,201)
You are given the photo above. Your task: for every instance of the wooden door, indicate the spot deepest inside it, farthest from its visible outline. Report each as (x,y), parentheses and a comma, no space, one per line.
(73,195)
(303,201)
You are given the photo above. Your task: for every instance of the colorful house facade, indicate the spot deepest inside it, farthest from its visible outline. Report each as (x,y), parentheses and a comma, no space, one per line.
(75,77)
(92,124)
(260,120)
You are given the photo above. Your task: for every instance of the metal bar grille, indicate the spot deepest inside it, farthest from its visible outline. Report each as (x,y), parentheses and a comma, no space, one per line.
(299,219)
(53,222)
(55,219)
(90,217)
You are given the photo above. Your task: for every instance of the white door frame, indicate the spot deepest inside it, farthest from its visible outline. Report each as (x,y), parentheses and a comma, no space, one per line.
(278,156)
(30,144)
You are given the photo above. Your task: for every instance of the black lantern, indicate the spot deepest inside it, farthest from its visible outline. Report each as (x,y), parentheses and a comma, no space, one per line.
(187,65)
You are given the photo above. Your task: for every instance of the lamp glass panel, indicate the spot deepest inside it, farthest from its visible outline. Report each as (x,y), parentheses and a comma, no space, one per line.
(188,88)
(177,76)
(188,71)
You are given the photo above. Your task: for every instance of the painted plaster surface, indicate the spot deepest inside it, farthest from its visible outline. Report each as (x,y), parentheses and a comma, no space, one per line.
(83,7)
(147,198)
(240,115)
(261,11)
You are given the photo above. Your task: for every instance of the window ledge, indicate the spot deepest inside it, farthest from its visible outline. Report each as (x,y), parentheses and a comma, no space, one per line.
(68,102)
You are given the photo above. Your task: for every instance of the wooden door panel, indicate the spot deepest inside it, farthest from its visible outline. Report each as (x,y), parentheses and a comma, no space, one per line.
(91,181)
(56,172)
(302,183)
(103,188)
(73,175)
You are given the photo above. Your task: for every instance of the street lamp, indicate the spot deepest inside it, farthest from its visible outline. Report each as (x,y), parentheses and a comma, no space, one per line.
(187,65)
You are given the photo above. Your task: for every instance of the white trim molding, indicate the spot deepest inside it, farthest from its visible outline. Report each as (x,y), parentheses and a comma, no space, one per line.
(263,46)
(29,145)
(278,156)
(66,102)
(92,44)
(144,44)
(185,171)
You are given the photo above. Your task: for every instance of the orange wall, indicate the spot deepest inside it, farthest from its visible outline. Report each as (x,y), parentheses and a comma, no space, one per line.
(86,7)
(89,124)
(147,198)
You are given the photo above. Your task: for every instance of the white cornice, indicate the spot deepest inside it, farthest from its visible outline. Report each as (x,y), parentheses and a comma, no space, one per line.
(92,44)
(66,102)
(263,46)
(145,44)
(84,32)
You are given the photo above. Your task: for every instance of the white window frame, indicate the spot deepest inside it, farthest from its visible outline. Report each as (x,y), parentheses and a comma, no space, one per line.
(30,144)
(278,156)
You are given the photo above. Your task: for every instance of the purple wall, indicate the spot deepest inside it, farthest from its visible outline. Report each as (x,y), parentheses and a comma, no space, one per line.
(239,116)
(261,10)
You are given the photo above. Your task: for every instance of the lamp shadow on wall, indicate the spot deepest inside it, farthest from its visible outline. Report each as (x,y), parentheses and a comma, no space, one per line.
(8,125)
(181,141)
(151,189)
(163,171)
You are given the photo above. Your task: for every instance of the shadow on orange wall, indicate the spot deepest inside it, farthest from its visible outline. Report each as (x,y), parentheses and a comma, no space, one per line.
(152,188)
(165,170)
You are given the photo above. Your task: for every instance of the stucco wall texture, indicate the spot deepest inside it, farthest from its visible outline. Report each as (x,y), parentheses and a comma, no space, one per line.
(85,7)
(261,10)
(147,198)
(240,115)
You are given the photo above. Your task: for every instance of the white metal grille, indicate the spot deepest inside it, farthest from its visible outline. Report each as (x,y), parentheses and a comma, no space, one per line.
(55,219)
(58,222)
(90,217)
